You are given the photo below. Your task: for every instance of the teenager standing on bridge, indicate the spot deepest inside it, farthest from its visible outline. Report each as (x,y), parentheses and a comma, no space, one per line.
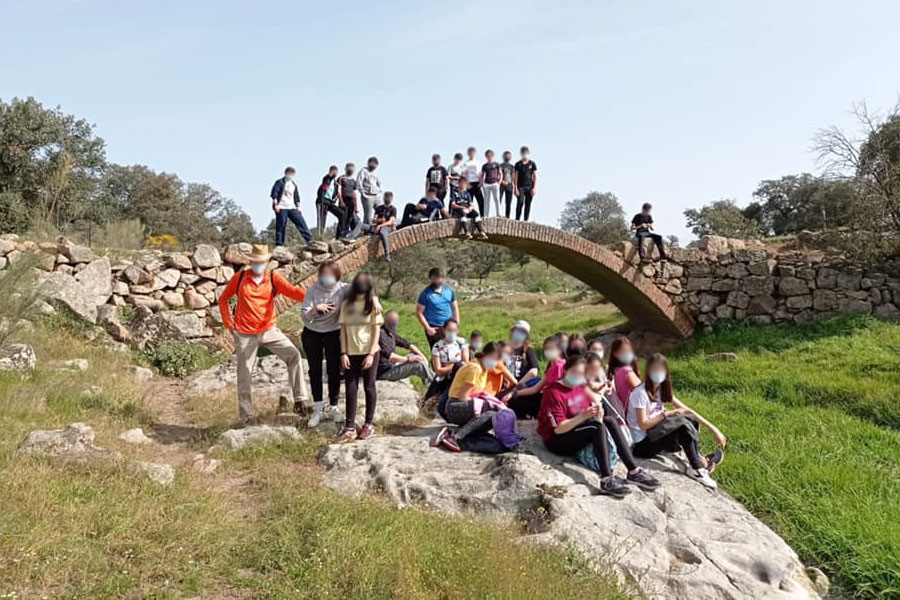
(525,180)
(369,189)
(507,174)
(253,325)
(327,201)
(286,204)
(472,174)
(490,183)
(348,192)
(437,177)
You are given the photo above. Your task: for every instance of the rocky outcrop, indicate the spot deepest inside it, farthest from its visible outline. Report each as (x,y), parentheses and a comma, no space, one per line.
(75,441)
(17,357)
(238,439)
(682,541)
(397,400)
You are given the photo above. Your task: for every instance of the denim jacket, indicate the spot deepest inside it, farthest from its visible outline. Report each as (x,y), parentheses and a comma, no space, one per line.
(278,190)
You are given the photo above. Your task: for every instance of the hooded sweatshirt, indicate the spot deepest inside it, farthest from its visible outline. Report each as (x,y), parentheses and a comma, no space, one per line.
(319,294)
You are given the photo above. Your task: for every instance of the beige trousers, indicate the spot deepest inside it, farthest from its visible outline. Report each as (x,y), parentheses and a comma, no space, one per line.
(246,346)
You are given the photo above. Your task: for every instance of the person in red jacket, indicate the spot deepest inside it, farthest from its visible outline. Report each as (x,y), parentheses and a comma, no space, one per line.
(253,325)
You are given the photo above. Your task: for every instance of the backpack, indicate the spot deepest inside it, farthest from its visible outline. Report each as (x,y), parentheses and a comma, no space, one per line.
(483,443)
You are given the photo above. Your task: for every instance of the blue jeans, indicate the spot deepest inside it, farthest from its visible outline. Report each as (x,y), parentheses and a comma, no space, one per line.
(281,219)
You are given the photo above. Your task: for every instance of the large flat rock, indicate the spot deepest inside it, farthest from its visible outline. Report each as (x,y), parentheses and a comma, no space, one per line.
(397,401)
(682,541)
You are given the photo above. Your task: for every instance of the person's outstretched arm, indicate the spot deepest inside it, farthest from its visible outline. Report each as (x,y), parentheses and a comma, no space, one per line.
(286,288)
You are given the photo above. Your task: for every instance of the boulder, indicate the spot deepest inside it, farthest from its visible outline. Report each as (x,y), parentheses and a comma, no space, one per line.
(188,323)
(17,357)
(318,247)
(206,256)
(75,441)
(96,278)
(763,304)
(238,439)
(887,311)
(169,277)
(193,300)
(159,473)
(178,261)
(74,252)
(148,329)
(139,374)
(713,244)
(6,246)
(205,465)
(681,541)
(74,364)
(136,275)
(282,254)
(154,304)
(792,286)
(236,254)
(135,436)
(173,299)
(60,289)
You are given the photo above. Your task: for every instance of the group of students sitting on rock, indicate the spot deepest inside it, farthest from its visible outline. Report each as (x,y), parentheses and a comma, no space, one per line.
(585,406)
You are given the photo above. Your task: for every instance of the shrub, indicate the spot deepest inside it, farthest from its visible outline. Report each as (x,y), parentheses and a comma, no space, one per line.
(126,234)
(165,241)
(178,359)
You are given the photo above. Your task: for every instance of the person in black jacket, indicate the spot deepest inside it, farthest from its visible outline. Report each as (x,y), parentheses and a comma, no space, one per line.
(327,201)
(286,204)
(642,226)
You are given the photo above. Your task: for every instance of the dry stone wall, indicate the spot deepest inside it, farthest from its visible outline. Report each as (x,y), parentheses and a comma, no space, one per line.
(717,279)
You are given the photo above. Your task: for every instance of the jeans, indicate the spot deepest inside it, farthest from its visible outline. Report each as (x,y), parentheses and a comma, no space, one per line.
(491,190)
(349,226)
(642,234)
(405,370)
(526,195)
(351,387)
(368,204)
(506,195)
(384,234)
(319,346)
(295,217)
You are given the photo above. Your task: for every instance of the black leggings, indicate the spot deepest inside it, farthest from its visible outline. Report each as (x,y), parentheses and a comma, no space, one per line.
(317,346)
(351,381)
(525,406)
(679,439)
(506,196)
(592,432)
(524,201)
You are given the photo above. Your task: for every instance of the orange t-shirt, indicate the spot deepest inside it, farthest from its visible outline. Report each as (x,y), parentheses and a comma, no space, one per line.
(255,310)
(494,382)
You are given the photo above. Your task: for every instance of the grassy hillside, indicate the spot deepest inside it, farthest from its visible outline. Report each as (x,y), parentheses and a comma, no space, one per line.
(811,413)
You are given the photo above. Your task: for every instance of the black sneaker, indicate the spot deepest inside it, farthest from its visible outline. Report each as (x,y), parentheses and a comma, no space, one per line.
(643,480)
(714,460)
(613,486)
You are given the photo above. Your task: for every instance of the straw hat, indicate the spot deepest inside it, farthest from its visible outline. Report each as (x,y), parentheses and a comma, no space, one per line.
(259,254)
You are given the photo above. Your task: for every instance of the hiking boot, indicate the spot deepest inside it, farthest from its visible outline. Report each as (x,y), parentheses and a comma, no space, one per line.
(367,431)
(641,479)
(613,486)
(702,476)
(439,437)
(714,460)
(334,414)
(449,442)
(348,434)
(315,419)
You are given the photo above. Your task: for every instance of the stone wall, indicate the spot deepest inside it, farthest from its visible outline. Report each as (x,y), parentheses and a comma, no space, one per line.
(740,280)
(717,279)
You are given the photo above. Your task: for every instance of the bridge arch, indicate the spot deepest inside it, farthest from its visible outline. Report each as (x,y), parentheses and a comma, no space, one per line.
(639,299)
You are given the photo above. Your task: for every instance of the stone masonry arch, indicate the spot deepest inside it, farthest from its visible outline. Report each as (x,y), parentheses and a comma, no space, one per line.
(638,297)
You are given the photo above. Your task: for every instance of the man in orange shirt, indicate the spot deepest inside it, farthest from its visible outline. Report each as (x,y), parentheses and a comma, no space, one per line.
(253,325)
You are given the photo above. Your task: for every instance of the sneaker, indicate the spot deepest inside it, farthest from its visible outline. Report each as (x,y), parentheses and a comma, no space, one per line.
(451,444)
(613,486)
(468,236)
(315,419)
(348,434)
(334,414)
(641,479)
(482,235)
(714,460)
(439,437)
(702,477)
(367,431)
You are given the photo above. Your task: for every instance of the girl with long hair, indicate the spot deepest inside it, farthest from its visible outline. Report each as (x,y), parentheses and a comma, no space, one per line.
(656,429)
(360,319)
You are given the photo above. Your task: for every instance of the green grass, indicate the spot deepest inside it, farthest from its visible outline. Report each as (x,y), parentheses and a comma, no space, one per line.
(261,527)
(811,416)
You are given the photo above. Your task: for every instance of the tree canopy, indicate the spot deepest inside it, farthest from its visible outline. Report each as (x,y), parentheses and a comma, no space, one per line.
(598,217)
(722,217)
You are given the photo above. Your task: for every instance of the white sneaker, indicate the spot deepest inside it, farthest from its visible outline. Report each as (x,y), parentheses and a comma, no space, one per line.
(315,419)
(335,414)
(702,476)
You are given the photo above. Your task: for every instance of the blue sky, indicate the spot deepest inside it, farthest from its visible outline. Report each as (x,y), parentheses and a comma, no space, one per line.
(673,102)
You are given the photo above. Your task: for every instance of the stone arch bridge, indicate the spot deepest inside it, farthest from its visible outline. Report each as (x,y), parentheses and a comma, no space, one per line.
(645,304)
